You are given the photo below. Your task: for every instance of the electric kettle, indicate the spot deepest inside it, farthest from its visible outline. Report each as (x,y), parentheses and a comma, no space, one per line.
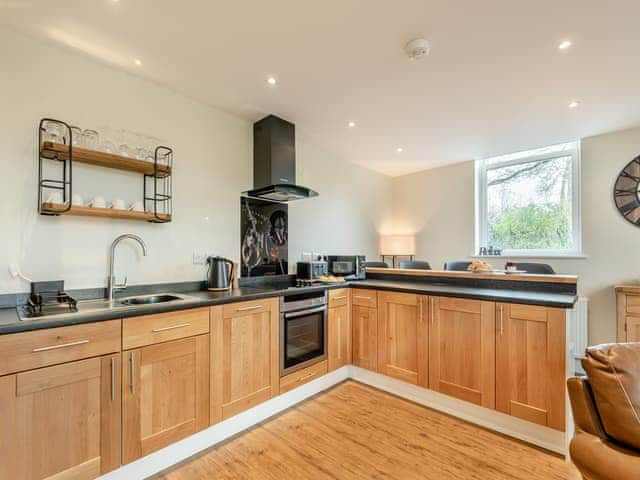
(219,273)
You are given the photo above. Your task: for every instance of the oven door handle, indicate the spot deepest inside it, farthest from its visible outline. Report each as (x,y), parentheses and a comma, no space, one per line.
(302,313)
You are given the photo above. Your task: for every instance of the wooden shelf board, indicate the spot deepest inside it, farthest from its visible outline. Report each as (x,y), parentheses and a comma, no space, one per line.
(59,209)
(102,159)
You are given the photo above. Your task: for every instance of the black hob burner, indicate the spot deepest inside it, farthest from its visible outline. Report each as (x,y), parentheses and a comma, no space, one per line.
(46,299)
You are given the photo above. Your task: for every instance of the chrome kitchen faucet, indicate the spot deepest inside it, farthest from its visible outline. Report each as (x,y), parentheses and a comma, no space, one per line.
(111,280)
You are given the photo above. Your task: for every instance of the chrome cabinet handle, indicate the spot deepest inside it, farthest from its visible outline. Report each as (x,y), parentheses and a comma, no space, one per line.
(132,361)
(363,298)
(501,319)
(339,298)
(243,309)
(62,345)
(163,329)
(433,315)
(420,310)
(308,375)
(113,379)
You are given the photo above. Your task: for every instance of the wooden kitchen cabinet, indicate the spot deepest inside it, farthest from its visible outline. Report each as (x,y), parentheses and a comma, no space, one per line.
(165,394)
(339,329)
(364,323)
(530,363)
(462,349)
(244,356)
(61,421)
(628,313)
(403,335)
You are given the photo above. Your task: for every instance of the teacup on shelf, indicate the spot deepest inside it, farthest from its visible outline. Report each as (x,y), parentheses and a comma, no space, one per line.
(55,197)
(137,206)
(77,200)
(118,204)
(98,202)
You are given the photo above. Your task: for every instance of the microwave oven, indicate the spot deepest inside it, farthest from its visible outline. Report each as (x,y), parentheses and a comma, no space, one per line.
(349,266)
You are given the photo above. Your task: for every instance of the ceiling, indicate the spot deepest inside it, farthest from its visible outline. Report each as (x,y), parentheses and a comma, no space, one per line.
(495,81)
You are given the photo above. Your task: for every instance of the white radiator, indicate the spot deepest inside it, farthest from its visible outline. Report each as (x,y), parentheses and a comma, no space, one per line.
(578,330)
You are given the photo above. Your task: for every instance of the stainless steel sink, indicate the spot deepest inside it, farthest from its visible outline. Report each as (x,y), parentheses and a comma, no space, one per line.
(150,299)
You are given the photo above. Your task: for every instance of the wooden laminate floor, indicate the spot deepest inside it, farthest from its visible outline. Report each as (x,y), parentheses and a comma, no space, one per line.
(356,432)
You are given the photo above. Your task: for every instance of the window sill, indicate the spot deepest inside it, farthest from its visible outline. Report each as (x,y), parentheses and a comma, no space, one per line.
(559,256)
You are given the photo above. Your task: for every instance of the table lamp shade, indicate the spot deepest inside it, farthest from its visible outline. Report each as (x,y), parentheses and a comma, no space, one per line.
(397,245)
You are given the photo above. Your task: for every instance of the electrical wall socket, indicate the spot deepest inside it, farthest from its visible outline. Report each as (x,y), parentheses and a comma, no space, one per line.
(200,258)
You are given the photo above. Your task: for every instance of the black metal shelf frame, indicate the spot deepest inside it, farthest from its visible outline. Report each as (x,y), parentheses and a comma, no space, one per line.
(157,189)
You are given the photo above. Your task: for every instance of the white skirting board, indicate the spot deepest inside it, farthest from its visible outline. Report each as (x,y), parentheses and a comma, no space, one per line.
(167,457)
(544,437)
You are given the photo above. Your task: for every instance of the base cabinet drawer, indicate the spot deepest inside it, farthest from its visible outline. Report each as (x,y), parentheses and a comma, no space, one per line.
(40,348)
(339,297)
(164,327)
(302,376)
(364,297)
(61,422)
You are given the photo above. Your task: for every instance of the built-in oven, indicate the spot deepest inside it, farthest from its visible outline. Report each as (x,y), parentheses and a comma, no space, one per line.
(303,330)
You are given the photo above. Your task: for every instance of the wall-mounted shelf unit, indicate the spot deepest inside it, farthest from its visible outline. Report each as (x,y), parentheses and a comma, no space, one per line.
(156,187)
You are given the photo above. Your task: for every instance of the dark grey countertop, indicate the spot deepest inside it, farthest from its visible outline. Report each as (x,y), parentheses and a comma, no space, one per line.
(99,310)
(558,300)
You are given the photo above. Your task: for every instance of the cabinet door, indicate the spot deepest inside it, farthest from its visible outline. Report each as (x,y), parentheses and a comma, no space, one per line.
(62,421)
(365,336)
(402,337)
(633,329)
(245,363)
(462,349)
(339,333)
(165,394)
(530,363)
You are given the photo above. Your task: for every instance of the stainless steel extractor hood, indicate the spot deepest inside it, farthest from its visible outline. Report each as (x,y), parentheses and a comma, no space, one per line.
(274,162)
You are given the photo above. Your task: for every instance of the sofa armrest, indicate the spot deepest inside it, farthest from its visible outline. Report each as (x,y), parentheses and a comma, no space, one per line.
(585,415)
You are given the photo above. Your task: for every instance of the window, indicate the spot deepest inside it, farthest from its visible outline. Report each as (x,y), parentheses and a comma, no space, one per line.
(528,203)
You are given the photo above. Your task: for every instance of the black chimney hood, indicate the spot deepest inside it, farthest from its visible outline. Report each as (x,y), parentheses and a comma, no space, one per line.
(274,162)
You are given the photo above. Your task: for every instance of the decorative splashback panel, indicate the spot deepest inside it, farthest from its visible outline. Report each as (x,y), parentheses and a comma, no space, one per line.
(264,234)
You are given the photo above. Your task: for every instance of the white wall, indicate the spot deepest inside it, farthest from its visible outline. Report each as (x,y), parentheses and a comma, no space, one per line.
(438,205)
(213,164)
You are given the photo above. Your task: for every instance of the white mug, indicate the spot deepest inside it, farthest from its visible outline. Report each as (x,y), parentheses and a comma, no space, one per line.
(137,206)
(77,200)
(55,197)
(118,204)
(98,202)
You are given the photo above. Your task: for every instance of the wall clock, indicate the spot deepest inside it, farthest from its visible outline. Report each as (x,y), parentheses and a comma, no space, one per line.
(626,192)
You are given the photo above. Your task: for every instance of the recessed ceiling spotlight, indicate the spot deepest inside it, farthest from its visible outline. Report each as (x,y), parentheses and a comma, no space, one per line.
(574,104)
(352,124)
(399,149)
(271,80)
(137,61)
(564,45)
(417,48)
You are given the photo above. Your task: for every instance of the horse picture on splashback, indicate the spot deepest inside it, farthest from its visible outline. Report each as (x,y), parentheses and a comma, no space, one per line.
(264,237)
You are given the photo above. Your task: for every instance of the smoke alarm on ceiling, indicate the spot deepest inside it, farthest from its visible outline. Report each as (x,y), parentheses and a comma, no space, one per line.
(418,48)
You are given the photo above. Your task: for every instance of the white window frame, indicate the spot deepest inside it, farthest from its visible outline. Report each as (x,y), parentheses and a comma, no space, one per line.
(482,227)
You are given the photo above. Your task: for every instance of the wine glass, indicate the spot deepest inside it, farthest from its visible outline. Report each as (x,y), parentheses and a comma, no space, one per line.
(90,139)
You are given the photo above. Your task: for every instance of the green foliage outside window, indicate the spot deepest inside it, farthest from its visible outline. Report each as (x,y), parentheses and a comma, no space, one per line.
(532,227)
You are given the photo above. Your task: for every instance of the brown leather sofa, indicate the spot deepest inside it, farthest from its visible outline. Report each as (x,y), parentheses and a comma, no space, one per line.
(606,412)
